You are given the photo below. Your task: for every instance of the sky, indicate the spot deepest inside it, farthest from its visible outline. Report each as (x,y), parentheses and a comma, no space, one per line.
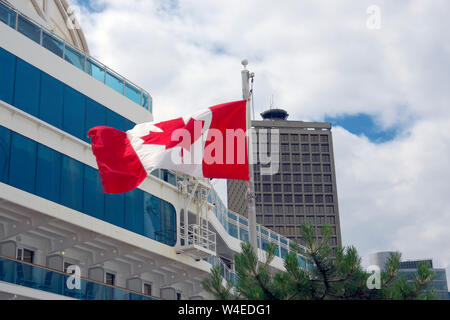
(377,70)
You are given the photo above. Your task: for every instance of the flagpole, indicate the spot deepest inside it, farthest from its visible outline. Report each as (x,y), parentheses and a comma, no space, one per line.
(246,76)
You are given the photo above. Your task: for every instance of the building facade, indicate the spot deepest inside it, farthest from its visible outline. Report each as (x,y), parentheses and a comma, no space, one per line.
(303,189)
(408,269)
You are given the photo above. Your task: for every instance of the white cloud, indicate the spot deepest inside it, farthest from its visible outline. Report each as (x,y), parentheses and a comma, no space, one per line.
(317,58)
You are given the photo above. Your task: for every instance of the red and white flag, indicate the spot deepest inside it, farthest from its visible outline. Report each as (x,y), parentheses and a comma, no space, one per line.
(211,143)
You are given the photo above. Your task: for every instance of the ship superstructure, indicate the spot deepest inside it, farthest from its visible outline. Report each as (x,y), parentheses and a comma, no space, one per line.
(158,241)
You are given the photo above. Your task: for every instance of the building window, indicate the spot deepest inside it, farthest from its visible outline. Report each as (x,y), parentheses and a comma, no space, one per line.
(287,188)
(267,198)
(267,209)
(326,158)
(316,168)
(308,188)
(294,137)
(295,158)
(316,157)
(25,255)
(298,198)
(296,167)
(288,198)
(329,199)
(325,148)
(314,138)
(328,188)
(297,188)
(297,177)
(276,187)
(308,198)
(318,188)
(326,178)
(319,199)
(315,148)
(307,178)
(295,147)
(178,295)
(299,210)
(110,278)
(306,168)
(304,138)
(306,157)
(323,138)
(277,198)
(326,168)
(305,147)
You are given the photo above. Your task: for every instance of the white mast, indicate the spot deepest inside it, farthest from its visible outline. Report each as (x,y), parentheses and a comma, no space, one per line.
(246,76)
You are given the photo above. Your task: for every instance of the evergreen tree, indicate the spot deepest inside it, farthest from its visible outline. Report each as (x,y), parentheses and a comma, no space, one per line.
(338,277)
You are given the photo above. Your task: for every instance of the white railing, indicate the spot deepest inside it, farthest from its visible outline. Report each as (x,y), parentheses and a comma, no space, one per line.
(199,236)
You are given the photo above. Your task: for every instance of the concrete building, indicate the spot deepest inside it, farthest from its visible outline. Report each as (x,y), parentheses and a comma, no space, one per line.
(304,187)
(408,269)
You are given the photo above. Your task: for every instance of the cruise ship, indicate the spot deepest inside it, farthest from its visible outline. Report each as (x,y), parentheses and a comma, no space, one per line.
(158,241)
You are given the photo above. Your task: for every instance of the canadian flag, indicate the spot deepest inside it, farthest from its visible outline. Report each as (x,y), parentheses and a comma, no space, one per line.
(211,143)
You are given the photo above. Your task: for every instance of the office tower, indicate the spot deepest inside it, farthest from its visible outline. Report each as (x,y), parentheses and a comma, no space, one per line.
(303,189)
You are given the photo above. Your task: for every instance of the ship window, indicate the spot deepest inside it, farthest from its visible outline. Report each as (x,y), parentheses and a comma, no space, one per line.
(114,82)
(25,255)
(28,29)
(7,65)
(74,57)
(23,156)
(148,289)
(5,143)
(95,116)
(95,70)
(132,93)
(133,211)
(51,102)
(114,209)
(94,199)
(48,173)
(51,43)
(26,94)
(71,183)
(114,120)
(110,278)
(7,16)
(74,106)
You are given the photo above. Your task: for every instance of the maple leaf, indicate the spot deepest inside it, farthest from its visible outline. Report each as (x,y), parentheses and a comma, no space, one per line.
(168,127)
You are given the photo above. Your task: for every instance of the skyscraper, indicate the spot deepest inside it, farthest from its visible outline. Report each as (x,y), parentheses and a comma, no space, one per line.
(304,187)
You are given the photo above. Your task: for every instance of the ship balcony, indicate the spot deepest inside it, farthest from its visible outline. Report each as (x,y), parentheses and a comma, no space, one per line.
(41,278)
(197,241)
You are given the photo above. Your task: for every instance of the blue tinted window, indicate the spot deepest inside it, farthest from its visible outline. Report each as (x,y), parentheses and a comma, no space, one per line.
(29,29)
(114,82)
(74,106)
(134,211)
(7,67)
(51,104)
(74,57)
(48,173)
(129,125)
(152,209)
(284,252)
(72,183)
(167,227)
(23,156)
(115,209)
(94,199)
(132,93)
(53,44)
(5,144)
(243,234)
(95,70)
(114,120)
(145,101)
(26,95)
(232,230)
(7,16)
(95,116)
